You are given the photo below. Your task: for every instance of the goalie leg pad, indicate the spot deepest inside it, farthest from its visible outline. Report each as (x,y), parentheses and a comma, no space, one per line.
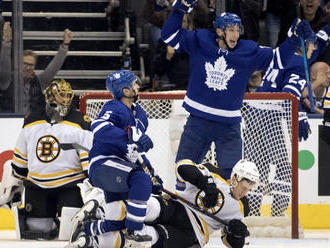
(66,223)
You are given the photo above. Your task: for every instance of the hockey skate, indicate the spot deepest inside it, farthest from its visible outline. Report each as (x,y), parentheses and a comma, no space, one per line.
(82,241)
(137,239)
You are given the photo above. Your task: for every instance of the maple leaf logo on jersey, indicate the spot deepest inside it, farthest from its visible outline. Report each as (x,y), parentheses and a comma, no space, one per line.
(219,75)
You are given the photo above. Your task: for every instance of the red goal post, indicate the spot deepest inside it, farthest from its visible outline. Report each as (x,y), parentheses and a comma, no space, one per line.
(270,134)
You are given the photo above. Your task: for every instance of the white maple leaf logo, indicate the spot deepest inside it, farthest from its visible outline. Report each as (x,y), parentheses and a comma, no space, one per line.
(219,75)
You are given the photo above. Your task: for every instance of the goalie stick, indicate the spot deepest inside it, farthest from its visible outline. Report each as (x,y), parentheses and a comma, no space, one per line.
(74,146)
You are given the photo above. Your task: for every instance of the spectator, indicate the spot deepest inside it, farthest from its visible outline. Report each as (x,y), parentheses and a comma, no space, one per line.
(279,15)
(34,84)
(250,11)
(320,79)
(254,81)
(312,12)
(5,57)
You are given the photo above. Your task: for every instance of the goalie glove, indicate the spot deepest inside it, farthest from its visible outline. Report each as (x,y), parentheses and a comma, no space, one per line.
(301,29)
(184,6)
(304,129)
(143,141)
(206,183)
(157,188)
(234,235)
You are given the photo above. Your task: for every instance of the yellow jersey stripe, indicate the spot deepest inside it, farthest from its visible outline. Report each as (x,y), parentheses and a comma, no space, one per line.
(57,182)
(16,150)
(83,155)
(70,124)
(241,206)
(35,123)
(217,176)
(19,162)
(84,164)
(56,174)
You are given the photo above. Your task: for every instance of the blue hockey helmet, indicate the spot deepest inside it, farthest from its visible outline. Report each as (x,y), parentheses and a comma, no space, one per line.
(228,19)
(118,80)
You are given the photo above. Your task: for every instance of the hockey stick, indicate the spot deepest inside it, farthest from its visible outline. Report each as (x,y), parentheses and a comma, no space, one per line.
(71,146)
(175,196)
(309,85)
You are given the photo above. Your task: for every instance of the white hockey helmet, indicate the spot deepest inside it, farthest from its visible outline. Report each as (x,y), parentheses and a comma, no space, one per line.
(245,169)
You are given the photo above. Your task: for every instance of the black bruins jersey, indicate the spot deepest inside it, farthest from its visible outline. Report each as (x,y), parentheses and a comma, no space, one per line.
(38,157)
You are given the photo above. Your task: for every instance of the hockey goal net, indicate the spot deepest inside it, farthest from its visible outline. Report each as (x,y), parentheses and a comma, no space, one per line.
(269,131)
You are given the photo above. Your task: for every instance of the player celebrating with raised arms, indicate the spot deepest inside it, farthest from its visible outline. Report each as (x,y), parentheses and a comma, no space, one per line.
(50,175)
(119,134)
(220,65)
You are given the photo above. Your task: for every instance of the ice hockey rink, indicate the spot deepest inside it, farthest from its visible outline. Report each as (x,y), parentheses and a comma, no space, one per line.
(313,238)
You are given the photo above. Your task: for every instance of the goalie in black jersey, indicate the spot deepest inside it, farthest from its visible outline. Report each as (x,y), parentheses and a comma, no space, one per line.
(50,174)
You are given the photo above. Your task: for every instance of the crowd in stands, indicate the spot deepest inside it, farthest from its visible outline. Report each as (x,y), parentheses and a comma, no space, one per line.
(167,69)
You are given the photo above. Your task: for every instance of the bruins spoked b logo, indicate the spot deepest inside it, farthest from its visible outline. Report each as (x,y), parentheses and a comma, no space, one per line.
(216,208)
(47,148)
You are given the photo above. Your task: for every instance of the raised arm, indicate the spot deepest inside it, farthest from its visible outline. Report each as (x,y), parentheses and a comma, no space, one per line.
(172,30)
(5,57)
(55,65)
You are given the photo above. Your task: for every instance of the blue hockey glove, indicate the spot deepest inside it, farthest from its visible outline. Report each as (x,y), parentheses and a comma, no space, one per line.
(301,29)
(304,129)
(184,6)
(157,188)
(143,141)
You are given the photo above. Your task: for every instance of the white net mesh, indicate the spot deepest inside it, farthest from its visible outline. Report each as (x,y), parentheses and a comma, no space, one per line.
(267,138)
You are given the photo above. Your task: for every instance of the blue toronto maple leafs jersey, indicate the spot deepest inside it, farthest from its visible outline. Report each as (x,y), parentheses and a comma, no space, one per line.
(218,78)
(110,130)
(292,78)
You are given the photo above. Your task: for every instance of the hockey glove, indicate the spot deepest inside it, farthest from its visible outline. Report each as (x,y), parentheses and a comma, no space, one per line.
(184,6)
(157,188)
(301,29)
(143,141)
(304,129)
(211,192)
(131,153)
(235,233)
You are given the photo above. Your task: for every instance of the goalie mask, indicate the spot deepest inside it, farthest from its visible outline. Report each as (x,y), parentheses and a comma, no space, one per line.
(59,96)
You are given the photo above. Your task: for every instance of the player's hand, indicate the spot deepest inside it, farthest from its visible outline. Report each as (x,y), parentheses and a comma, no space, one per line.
(67,36)
(235,233)
(157,187)
(301,29)
(211,192)
(143,141)
(304,129)
(184,6)
(131,153)
(7,32)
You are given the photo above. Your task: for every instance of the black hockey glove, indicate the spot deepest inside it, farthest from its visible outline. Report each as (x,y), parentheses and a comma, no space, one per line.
(235,233)
(211,192)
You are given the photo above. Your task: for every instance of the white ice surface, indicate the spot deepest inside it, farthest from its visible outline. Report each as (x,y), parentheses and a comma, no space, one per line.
(313,239)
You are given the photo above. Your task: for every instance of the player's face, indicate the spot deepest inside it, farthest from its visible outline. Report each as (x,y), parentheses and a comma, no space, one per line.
(232,35)
(309,6)
(241,189)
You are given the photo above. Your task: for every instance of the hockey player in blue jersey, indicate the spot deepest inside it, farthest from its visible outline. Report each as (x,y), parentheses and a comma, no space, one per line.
(113,158)
(221,65)
(292,78)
